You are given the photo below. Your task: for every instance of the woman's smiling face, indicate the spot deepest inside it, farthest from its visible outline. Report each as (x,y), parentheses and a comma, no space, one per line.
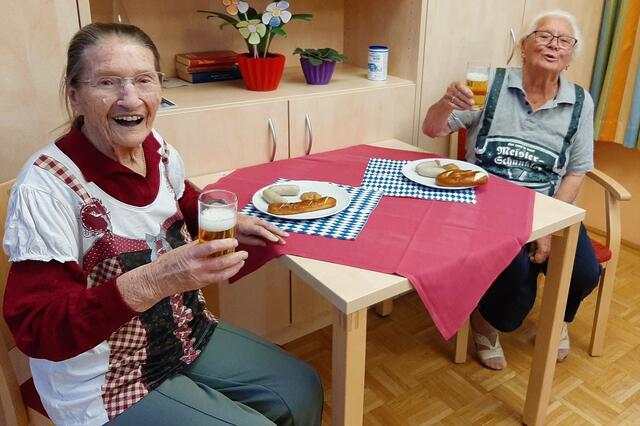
(548,56)
(121,116)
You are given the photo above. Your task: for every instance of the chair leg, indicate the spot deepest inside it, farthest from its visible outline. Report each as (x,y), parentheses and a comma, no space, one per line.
(605,292)
(462,340)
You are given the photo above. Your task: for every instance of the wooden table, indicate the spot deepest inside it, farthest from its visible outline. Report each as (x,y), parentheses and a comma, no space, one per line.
(352,291)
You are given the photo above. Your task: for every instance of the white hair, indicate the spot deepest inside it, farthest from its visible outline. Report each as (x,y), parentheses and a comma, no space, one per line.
(561,14)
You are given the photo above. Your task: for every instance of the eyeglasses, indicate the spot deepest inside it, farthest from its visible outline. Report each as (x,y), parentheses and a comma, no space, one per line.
(545,37)
(146,82)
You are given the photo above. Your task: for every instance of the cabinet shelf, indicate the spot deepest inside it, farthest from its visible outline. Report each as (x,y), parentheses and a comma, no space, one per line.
(202,96)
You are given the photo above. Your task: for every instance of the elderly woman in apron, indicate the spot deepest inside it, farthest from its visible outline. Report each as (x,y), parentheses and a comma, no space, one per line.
(536,130)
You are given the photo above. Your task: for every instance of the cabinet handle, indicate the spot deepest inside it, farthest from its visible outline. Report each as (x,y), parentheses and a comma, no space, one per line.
(307,121)
(513,44)
(274,140)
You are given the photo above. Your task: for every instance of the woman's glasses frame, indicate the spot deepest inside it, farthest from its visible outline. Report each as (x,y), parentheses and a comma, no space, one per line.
(145,82)
(545,37)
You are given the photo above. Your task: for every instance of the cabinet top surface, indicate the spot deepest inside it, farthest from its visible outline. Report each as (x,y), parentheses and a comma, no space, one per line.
(293,86)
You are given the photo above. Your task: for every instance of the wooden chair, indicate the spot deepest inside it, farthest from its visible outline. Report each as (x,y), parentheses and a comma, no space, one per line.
(19,402)
(607,254)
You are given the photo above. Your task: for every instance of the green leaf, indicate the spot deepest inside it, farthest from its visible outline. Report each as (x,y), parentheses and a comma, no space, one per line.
(315,56)
(279,31)
(222,16)
(302,16)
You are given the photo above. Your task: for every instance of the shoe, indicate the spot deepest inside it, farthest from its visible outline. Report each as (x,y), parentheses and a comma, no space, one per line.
(565,346)
(490,353)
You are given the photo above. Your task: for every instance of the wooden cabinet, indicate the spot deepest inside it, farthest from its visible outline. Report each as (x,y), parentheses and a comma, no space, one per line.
(489,30)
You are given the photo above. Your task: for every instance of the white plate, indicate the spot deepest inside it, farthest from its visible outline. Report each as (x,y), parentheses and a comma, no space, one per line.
(326,189)
(409,170)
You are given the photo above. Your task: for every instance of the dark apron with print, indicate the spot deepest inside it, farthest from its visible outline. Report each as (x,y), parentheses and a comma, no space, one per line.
(523,162)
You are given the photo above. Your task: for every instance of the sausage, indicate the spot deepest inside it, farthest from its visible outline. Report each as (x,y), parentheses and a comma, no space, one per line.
(274,194)
(285,189)
(428,169)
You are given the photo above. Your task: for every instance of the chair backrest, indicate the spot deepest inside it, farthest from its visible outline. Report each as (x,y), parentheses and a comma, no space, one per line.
(12,408)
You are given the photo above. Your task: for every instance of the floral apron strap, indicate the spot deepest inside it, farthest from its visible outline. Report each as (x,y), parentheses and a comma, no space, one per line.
(573,125)
(490,107)
(61,171)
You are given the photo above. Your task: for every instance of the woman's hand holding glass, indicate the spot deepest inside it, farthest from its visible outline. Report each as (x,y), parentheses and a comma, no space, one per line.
(185,268)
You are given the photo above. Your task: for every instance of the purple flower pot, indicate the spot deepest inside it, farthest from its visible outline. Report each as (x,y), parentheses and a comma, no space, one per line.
(317,74)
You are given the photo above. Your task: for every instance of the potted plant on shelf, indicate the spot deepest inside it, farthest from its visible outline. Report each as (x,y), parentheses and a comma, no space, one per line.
(318,64)
(261,70)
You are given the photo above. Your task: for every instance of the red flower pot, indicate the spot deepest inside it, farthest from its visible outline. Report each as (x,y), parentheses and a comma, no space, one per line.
(261,74)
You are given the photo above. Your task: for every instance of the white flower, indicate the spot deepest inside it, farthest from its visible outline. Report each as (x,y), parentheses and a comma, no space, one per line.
(276,14)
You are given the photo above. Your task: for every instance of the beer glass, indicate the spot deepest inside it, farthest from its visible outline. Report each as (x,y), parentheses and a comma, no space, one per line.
(217,217)
(478,82)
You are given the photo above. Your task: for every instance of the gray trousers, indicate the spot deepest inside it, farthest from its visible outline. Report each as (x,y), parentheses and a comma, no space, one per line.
(238,379)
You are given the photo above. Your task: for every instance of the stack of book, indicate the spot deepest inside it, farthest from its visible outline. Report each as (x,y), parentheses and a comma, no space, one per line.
(204,67)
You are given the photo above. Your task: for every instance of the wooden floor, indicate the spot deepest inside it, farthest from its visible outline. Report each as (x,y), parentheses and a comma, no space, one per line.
(411,379)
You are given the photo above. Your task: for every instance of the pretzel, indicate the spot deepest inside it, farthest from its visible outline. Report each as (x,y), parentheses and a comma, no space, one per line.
(302,206)
(453,178)
(311,195)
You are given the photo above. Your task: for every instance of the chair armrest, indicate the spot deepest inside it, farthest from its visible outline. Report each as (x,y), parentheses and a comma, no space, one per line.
(610,185)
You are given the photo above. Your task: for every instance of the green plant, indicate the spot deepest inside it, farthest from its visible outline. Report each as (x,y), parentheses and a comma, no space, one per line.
(257,29)
(318,56)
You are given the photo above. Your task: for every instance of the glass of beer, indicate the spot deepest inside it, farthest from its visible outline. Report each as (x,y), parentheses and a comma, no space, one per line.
(217,217)
(478,82)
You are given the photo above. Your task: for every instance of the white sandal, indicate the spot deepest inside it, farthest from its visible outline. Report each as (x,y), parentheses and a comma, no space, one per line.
(565,345)
(493,351)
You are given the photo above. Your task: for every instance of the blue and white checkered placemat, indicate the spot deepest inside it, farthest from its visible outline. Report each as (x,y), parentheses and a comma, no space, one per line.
(386,176)
(345,225)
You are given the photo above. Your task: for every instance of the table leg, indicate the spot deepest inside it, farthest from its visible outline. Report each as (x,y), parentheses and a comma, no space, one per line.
(554,302)
(348,359)
(384,308)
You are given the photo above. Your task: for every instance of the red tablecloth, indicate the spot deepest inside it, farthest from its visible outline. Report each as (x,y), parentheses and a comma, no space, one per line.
(451,252)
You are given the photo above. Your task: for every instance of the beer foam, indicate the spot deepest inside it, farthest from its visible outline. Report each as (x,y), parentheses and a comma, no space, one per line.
(217,219)
(477,76)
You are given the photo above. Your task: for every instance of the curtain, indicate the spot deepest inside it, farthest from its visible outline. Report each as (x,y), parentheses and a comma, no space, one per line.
(615,85)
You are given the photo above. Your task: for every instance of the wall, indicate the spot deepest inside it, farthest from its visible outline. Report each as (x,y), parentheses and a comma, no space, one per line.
(34,36)
(622,164)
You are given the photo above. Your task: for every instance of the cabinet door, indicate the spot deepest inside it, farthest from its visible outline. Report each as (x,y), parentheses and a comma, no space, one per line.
(588,18)
(225,138)
(458,31)
(337,121)
(258,302)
